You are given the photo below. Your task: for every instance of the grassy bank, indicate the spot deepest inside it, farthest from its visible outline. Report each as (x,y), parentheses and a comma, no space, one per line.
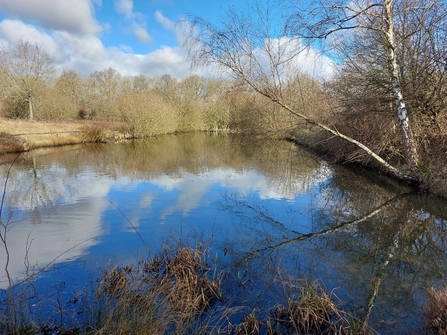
(19,135)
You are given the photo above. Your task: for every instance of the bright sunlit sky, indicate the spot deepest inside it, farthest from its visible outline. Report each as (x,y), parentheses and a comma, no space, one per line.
(131,36)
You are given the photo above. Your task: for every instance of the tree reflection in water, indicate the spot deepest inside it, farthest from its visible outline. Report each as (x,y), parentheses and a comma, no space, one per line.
(380,252)
(271,211)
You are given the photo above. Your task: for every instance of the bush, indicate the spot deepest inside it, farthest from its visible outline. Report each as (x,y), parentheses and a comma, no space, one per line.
(147,114)
(51,105)
(217,114)
(15,106)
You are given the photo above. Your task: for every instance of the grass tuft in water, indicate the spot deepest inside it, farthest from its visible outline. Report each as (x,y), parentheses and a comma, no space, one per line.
(435,311)
(168,293)
(312,311)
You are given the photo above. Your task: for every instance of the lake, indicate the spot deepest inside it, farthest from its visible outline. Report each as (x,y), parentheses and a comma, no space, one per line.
(264,210)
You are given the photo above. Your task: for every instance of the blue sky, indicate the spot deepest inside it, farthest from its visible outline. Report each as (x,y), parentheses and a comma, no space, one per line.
(131,36)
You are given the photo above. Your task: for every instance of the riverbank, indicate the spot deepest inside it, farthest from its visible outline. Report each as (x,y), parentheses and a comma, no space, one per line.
(18,135)
(433,168)
(23,135)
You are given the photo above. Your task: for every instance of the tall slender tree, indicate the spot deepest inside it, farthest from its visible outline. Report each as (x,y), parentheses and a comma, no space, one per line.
(339,19)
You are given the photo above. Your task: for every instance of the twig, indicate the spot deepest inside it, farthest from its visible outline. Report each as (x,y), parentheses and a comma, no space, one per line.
(134,228)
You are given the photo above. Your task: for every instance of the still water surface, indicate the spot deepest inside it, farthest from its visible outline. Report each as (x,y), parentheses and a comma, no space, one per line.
(266,210)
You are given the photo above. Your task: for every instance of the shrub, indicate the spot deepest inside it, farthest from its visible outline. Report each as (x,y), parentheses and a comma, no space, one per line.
(15,106)
(147,114)
(52,105)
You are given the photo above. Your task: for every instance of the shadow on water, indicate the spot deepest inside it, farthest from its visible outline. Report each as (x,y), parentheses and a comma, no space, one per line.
(271,213)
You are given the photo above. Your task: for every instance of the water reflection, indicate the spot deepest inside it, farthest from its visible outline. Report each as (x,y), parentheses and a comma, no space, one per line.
(60,197)
(380,251)
(270,211)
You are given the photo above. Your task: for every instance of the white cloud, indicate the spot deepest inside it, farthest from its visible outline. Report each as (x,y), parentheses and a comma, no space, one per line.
(13,30)
(124,7)
(86,54)
(294,57)
(141,34)
(76,17)
(179,30)
(164,21)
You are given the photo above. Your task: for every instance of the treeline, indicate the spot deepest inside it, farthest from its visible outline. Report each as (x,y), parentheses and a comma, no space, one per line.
(32,89)
(358,101)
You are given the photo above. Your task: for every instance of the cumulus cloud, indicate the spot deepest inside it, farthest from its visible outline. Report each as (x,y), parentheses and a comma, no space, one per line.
(13,30)
(76,17)
(293,57)
(86,53)
(124,7)
(178,30)
(141,34)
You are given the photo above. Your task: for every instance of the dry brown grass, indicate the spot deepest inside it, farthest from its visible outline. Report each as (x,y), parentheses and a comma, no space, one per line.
(166,294)
(312,311)
(23,135)
(9,143)
(435,311)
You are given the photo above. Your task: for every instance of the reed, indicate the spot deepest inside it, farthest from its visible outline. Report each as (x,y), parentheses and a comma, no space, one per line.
(435,311)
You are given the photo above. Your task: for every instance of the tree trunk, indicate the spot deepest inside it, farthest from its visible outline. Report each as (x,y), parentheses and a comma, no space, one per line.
(409,145)
(30,103)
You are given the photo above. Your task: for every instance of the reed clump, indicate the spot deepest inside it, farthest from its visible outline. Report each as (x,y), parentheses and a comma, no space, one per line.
(167,294)
(9,143)
(312,311)
(435,311)
(93,133)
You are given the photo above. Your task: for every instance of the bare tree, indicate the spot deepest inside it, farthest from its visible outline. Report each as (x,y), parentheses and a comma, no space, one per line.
(70,84)
(25,66)
(394,24)
(104,90)
(254,48)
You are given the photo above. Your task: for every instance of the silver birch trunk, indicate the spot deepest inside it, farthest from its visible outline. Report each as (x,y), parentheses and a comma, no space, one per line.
(409,145)
(30,104)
